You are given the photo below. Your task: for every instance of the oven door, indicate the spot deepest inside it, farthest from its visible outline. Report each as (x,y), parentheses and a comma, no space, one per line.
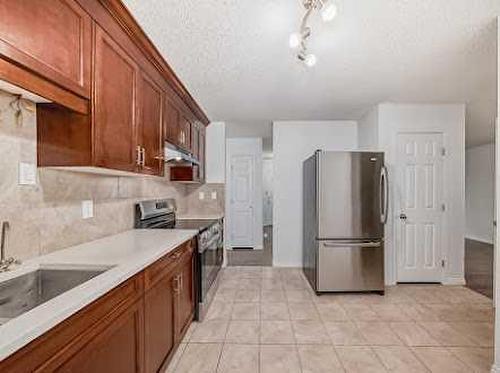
(210,265)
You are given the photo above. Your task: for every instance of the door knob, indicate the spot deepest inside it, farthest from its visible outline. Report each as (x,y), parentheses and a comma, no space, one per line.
(403,216)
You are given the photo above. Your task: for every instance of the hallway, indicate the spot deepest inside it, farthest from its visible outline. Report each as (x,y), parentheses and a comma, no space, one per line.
(250,257)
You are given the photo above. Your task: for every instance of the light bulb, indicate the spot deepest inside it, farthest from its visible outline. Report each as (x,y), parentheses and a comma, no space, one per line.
(329,12)
(295,40)
(310,60)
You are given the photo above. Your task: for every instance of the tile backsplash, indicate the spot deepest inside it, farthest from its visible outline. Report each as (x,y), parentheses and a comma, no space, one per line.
(47,216)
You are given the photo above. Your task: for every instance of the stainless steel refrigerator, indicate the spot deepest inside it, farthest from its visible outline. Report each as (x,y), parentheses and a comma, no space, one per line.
(345,208)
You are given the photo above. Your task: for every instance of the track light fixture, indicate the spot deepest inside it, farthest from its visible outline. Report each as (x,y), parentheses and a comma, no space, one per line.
(297,40)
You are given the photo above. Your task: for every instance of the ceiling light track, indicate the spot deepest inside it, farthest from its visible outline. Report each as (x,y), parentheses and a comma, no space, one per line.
(298,40)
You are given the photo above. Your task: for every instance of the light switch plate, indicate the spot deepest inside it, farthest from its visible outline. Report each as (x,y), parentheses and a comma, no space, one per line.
(87,209)
(201,196)
(27,173)
(214,195)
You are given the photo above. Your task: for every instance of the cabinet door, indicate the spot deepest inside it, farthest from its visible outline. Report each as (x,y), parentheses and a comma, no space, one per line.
(201,152)
(159,323)
(185,132)
(51,38)
(118,347)
(150,126)
(185,305)
(195,134)
(171,123)
(114,105)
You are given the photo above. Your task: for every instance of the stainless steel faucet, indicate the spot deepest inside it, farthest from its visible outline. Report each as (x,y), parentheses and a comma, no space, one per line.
(5,263)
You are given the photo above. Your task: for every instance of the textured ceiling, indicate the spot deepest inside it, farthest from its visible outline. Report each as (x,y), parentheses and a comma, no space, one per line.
(233,57)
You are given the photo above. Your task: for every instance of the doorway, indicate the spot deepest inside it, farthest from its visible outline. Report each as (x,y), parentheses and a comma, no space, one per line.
(420,207)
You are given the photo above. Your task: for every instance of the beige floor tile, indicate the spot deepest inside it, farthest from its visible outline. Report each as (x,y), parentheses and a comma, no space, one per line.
(279,358)
(440,360)
(390,312)
(445,334)
(276,332)
(359,359)
(331,312)
(481,312)
(245,332)
(319,359)
(271,284)
(295,284)
(229,284)
(425,294)
(274,311)
(190,331)
(419,312)
(273,296)
(298,296)
(175,359)
(360,312)
(219,310)
(326,299)
(199,358)
(344,334)
(246,311)
(413,334)
(303,311)
(399,359)
(378,334)
(225,295)
(247,296)
(482,334)
(249,284)
(476,358)
(310,332)
(210,331)
(239,358)
(450,312)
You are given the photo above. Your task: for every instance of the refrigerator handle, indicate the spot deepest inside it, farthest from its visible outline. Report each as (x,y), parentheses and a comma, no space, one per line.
(350,244)
(384,195)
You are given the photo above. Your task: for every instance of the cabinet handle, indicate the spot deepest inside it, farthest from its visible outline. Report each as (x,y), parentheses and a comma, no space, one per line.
(138,155)
(143,158)
(176,284)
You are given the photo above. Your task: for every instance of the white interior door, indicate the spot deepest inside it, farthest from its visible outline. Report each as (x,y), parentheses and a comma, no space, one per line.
(241,200)
(420,206)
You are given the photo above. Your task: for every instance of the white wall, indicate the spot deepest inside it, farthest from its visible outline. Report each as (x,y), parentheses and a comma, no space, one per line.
(246,146)
(216,153)
(479,192)
(368,130)
(293,142)
(267,190)
(449,120)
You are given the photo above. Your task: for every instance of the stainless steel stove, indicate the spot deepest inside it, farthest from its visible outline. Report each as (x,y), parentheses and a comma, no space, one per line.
(161,214)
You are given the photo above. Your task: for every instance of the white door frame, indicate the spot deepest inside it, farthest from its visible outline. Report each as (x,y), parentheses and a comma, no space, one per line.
(246,146)
(396,198)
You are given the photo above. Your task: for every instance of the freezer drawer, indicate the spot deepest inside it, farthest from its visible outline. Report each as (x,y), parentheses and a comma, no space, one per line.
(350,266)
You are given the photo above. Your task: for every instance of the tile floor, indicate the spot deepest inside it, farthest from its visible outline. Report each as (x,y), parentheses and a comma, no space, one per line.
(266,319)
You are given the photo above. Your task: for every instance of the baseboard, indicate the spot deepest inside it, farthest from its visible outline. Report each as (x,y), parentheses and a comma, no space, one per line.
(479,240)
(454,280)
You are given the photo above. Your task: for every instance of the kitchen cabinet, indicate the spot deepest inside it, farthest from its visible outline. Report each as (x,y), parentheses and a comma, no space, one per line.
(185,294)
(115,99)
(159,322)
(115,102)
(51,39)
(195,140)
(150,137)
(135,327)
(202,151)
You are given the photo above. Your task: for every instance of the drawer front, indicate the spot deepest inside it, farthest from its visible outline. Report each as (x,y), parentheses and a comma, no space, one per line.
(166,264)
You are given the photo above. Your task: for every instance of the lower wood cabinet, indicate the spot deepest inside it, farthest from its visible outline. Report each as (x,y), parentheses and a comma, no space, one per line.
(134,328)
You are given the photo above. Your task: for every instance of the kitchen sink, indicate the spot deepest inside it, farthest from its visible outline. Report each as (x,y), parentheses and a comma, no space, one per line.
(23,293)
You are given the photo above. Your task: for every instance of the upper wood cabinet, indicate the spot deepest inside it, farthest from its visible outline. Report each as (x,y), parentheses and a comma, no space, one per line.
(115,105)
(171,123)
(51,38)
(150,136)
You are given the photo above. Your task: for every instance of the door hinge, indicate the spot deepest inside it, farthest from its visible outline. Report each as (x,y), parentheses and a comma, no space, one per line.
(443,263)
(443,151)
(443,207)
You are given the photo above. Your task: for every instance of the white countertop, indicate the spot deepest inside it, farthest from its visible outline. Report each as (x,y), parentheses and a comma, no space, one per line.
(128,252)
(202,216)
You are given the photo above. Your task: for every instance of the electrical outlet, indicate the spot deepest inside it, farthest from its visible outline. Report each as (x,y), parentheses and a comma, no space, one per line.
(27,173)
(87,209)
(201,196)
(214,195)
